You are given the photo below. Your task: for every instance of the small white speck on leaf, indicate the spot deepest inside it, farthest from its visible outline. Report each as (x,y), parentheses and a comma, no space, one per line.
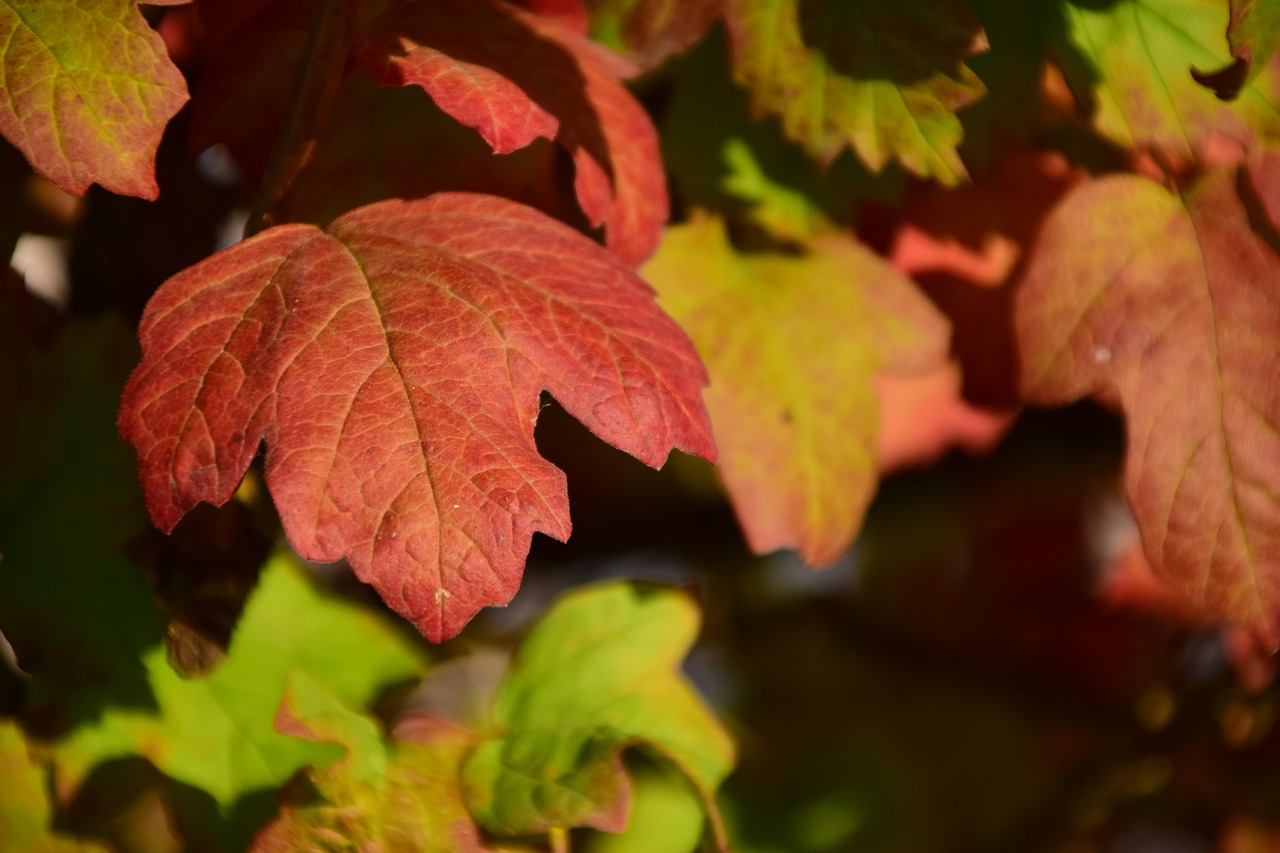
(1101,355)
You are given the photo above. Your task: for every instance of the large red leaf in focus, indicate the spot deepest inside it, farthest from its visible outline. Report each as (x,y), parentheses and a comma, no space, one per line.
(516,76)
(393,364)
(1172,301)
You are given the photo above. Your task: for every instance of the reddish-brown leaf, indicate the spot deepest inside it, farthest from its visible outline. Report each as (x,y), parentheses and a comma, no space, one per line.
(392,364)
(1128,584)
(1172,302)
(529,76)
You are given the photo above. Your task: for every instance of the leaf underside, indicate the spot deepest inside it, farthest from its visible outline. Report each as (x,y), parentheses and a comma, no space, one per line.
(531,77)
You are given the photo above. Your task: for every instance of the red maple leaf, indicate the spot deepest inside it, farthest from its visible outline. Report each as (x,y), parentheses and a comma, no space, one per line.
(393,363)
(529,77)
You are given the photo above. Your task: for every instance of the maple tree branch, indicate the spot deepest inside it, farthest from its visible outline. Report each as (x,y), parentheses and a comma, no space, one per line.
(323,59)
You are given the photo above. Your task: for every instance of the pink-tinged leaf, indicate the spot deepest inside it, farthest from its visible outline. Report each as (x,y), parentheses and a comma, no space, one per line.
(922,417)
(794,344)
(530,77)
(86,89)
(965,247)
(599,673)
(392,364)
(1171,302)
(1254,32)
(397,795)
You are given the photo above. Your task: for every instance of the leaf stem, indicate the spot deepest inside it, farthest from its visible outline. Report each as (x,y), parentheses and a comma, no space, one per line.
(323,59)
(559,837)
(719,835)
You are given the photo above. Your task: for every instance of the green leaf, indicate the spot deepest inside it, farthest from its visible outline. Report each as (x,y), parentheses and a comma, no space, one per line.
(744,169)
(1130,62)
(600,672)
(216,732)
(883,78)
(89,88)
(793,344)
(25,811)
(401,795)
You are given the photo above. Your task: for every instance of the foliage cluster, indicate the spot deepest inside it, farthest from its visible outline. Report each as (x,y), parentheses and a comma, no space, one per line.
(811,242)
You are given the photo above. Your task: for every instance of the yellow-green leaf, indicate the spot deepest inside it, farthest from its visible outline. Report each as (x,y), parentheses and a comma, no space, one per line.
(1130,63)
(217,732)
(882,78)
(599,672)
(793,343)
(86,89)
(25,812)
(399,795)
